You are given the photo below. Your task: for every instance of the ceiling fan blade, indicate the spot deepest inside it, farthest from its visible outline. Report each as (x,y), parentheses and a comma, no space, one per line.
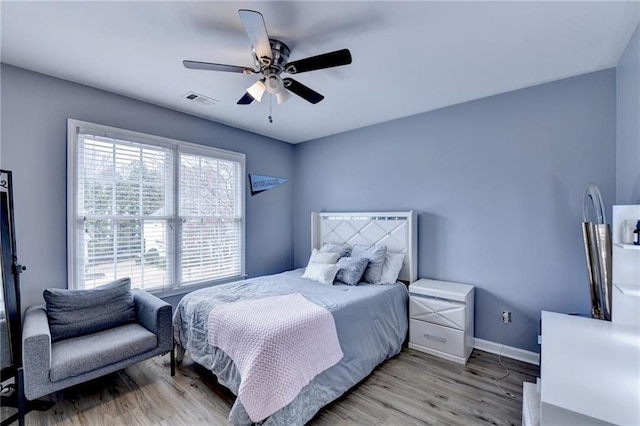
(245,100)
(326,60)
(194,65)
(257,31)
(301,90)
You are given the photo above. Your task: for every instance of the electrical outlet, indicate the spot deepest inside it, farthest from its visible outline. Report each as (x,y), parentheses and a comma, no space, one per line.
(506,317)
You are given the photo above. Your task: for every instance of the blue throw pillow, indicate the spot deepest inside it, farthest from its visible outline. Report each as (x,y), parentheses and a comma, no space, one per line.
(351,269)
(376,254)
(74,313)
(344,250)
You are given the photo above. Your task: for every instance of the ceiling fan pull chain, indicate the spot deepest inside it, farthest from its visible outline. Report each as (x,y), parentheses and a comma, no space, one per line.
(270,104)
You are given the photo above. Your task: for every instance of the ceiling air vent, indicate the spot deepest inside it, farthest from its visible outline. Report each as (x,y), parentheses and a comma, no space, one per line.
(201,99)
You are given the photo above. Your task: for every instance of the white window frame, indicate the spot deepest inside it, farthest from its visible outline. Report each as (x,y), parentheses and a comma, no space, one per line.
(76,127)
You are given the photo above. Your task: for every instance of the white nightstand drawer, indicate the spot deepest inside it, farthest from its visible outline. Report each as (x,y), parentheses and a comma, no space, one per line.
(436,337)
(437,311)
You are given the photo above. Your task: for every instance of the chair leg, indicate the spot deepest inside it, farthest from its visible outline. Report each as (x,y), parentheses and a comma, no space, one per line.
(173,360)
(20,394)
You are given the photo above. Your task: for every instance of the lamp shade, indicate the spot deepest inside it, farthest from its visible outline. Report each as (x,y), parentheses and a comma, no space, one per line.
(256,90)
(282,96)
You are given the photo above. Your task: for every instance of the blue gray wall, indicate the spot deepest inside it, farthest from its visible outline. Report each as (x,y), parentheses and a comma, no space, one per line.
(628,118)
(34,112)
(498,185)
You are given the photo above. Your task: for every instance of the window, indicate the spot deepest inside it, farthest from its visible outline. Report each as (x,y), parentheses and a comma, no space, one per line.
(163,212)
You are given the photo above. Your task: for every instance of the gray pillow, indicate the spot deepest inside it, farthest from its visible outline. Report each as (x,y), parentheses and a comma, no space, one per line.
(77,312)
(351,269)
(376,254)
(344,250)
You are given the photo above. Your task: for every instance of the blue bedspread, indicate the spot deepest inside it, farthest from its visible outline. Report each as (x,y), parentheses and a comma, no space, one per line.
(371,321)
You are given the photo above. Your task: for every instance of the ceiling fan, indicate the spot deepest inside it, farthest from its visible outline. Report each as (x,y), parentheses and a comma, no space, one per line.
(271,59)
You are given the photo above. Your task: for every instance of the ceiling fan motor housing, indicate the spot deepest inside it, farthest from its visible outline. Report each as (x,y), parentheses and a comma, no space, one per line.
(280,52)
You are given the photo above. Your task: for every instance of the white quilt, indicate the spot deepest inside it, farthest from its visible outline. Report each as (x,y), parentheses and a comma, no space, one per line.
(278,344)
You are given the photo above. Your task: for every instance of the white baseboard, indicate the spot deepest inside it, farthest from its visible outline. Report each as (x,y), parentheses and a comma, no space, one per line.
(507,351)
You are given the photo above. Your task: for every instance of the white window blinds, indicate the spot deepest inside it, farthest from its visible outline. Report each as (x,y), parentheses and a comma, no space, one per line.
(163,213)
(125,198)
(211,217)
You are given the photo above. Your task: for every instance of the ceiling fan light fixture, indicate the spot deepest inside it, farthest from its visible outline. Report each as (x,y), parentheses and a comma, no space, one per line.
(256,90)
(274,84)
(282,96)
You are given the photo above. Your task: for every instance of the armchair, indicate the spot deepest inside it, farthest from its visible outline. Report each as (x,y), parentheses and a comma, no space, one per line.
(51,365)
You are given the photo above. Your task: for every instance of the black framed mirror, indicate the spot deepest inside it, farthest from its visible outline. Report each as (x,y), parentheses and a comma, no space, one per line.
(10,314)
(10,317)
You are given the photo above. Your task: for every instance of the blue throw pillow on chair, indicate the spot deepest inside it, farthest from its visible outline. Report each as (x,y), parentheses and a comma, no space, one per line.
(74,313)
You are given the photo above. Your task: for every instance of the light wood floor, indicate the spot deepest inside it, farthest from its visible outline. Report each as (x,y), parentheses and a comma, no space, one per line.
(410,389)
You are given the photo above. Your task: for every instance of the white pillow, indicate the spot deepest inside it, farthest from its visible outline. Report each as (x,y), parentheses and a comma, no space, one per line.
(322,272)
(391,267)
(318,256)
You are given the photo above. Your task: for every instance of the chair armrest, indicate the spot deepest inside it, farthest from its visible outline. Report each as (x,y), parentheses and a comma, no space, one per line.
(36,352)
(155,315)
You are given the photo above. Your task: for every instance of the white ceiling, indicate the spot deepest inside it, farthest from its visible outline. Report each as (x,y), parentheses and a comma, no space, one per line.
(408,57)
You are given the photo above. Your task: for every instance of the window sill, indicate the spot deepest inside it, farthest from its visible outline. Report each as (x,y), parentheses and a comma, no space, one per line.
(193,287)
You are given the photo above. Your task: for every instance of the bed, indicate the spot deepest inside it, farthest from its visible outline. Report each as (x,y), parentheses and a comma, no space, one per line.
(370,320)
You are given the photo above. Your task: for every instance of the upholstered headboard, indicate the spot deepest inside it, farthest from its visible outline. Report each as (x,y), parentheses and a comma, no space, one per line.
(397,230)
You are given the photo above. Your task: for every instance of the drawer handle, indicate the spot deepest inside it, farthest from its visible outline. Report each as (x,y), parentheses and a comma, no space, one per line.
(436,338)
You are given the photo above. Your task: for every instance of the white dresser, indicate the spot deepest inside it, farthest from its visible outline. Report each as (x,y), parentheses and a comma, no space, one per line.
(441,319)
(625,307)
(590,371)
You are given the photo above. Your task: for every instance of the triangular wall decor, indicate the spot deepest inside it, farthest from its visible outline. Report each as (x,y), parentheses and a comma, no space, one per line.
(259,183)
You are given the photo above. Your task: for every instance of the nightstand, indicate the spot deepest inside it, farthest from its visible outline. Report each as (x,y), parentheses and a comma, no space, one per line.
(441,319)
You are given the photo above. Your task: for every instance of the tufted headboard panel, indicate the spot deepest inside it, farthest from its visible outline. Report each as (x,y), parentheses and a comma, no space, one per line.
(396,230)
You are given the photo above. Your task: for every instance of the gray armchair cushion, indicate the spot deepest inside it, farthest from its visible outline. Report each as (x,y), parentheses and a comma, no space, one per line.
(76,356)
(75,313)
